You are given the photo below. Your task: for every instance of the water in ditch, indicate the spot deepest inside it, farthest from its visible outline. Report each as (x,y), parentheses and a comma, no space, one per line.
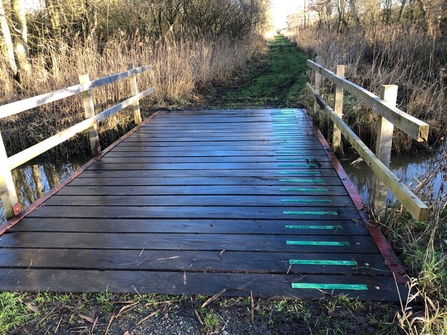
(36,178)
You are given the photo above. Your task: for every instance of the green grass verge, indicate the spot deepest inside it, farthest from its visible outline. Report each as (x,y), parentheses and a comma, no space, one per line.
(276,82)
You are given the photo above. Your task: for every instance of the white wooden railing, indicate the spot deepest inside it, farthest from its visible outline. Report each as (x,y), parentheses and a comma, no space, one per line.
(8,192)
(389,117)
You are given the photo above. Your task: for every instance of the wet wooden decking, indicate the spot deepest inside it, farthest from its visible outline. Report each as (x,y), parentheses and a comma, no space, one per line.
(197,203)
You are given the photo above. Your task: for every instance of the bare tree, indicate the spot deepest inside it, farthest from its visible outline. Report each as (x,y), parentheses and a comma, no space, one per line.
(9,46)
(21,36)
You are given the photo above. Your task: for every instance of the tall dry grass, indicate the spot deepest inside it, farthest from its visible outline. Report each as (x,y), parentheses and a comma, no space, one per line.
(402,55)
(181,69)
(413,60)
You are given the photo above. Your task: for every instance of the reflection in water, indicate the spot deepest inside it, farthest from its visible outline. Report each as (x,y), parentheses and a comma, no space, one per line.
(36,178)
(412,170)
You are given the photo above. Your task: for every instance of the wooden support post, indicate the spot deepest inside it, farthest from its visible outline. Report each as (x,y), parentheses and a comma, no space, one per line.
(89,108)
(338,109)
(134,91)
(383,149)
(8,192)
(317,87)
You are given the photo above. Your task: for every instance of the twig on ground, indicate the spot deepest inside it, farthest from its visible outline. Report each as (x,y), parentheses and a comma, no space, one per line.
(94,325)
(214,298)
(198,317)
(252,304)
(109,324)
(147,318)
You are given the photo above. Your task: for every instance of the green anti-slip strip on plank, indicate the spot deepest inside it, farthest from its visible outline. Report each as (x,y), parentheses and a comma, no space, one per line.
(317,173)
(307,227)
(290,152)
(297,165)
(295,146)
(290,159)
(303,189)
(294,142)
(309,213)
(307,200)
(350,287)
(321,262)
(319,243)
(300,180)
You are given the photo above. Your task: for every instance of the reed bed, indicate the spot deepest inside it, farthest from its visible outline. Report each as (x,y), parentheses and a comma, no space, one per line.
(414,60)
(382,55)
(181,71)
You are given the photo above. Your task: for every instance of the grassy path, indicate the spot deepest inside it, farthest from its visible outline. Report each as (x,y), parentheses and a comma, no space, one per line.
(276,82)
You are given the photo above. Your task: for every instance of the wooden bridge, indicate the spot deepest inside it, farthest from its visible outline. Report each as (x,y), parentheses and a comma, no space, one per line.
(230,201)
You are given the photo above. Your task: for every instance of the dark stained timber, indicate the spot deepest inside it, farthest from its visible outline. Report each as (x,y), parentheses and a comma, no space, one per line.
(197,202)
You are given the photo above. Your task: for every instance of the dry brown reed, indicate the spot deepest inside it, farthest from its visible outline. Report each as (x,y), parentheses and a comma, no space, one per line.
(413,60)
(181,69)
(402,55)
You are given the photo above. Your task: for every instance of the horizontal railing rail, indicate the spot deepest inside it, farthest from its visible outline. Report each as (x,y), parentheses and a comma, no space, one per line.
(389,116)
(8,192)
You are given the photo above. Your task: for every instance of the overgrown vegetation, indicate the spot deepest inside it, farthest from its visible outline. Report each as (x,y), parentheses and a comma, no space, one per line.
(402,44)
(191,45)
(407,57)
(118,314)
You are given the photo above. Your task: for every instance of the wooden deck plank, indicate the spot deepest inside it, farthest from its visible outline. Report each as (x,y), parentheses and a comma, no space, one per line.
(300,165)
(199,152)
(199,200)
(173,241)
(196,202)
(280,172)
(246,145)
(194,226)
(204,190)
(177,283)
(193,261)
(197,212)
(285,180)
(321,158)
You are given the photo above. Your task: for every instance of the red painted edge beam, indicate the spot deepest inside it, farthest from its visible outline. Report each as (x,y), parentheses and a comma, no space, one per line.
(391,260)
(12,222)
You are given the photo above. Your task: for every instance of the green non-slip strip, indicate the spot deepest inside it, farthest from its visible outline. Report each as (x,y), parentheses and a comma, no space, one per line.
(286,124)
(293,142)
(301,180)
(297,165)
(307,227)
(306,200)
(289,158)
(295,147)
(290,152)
(351,287)
(309,213)
(319,243)
(321,262)
(288,136)
(300,172)
(304,190)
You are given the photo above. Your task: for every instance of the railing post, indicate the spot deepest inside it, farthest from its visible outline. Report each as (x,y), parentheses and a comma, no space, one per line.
(89,109)
(317,86)
(338,109)
(383,149)
(8,192)
(134,91)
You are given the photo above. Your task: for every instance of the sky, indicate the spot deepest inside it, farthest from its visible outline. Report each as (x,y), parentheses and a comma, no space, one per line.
(282,8)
